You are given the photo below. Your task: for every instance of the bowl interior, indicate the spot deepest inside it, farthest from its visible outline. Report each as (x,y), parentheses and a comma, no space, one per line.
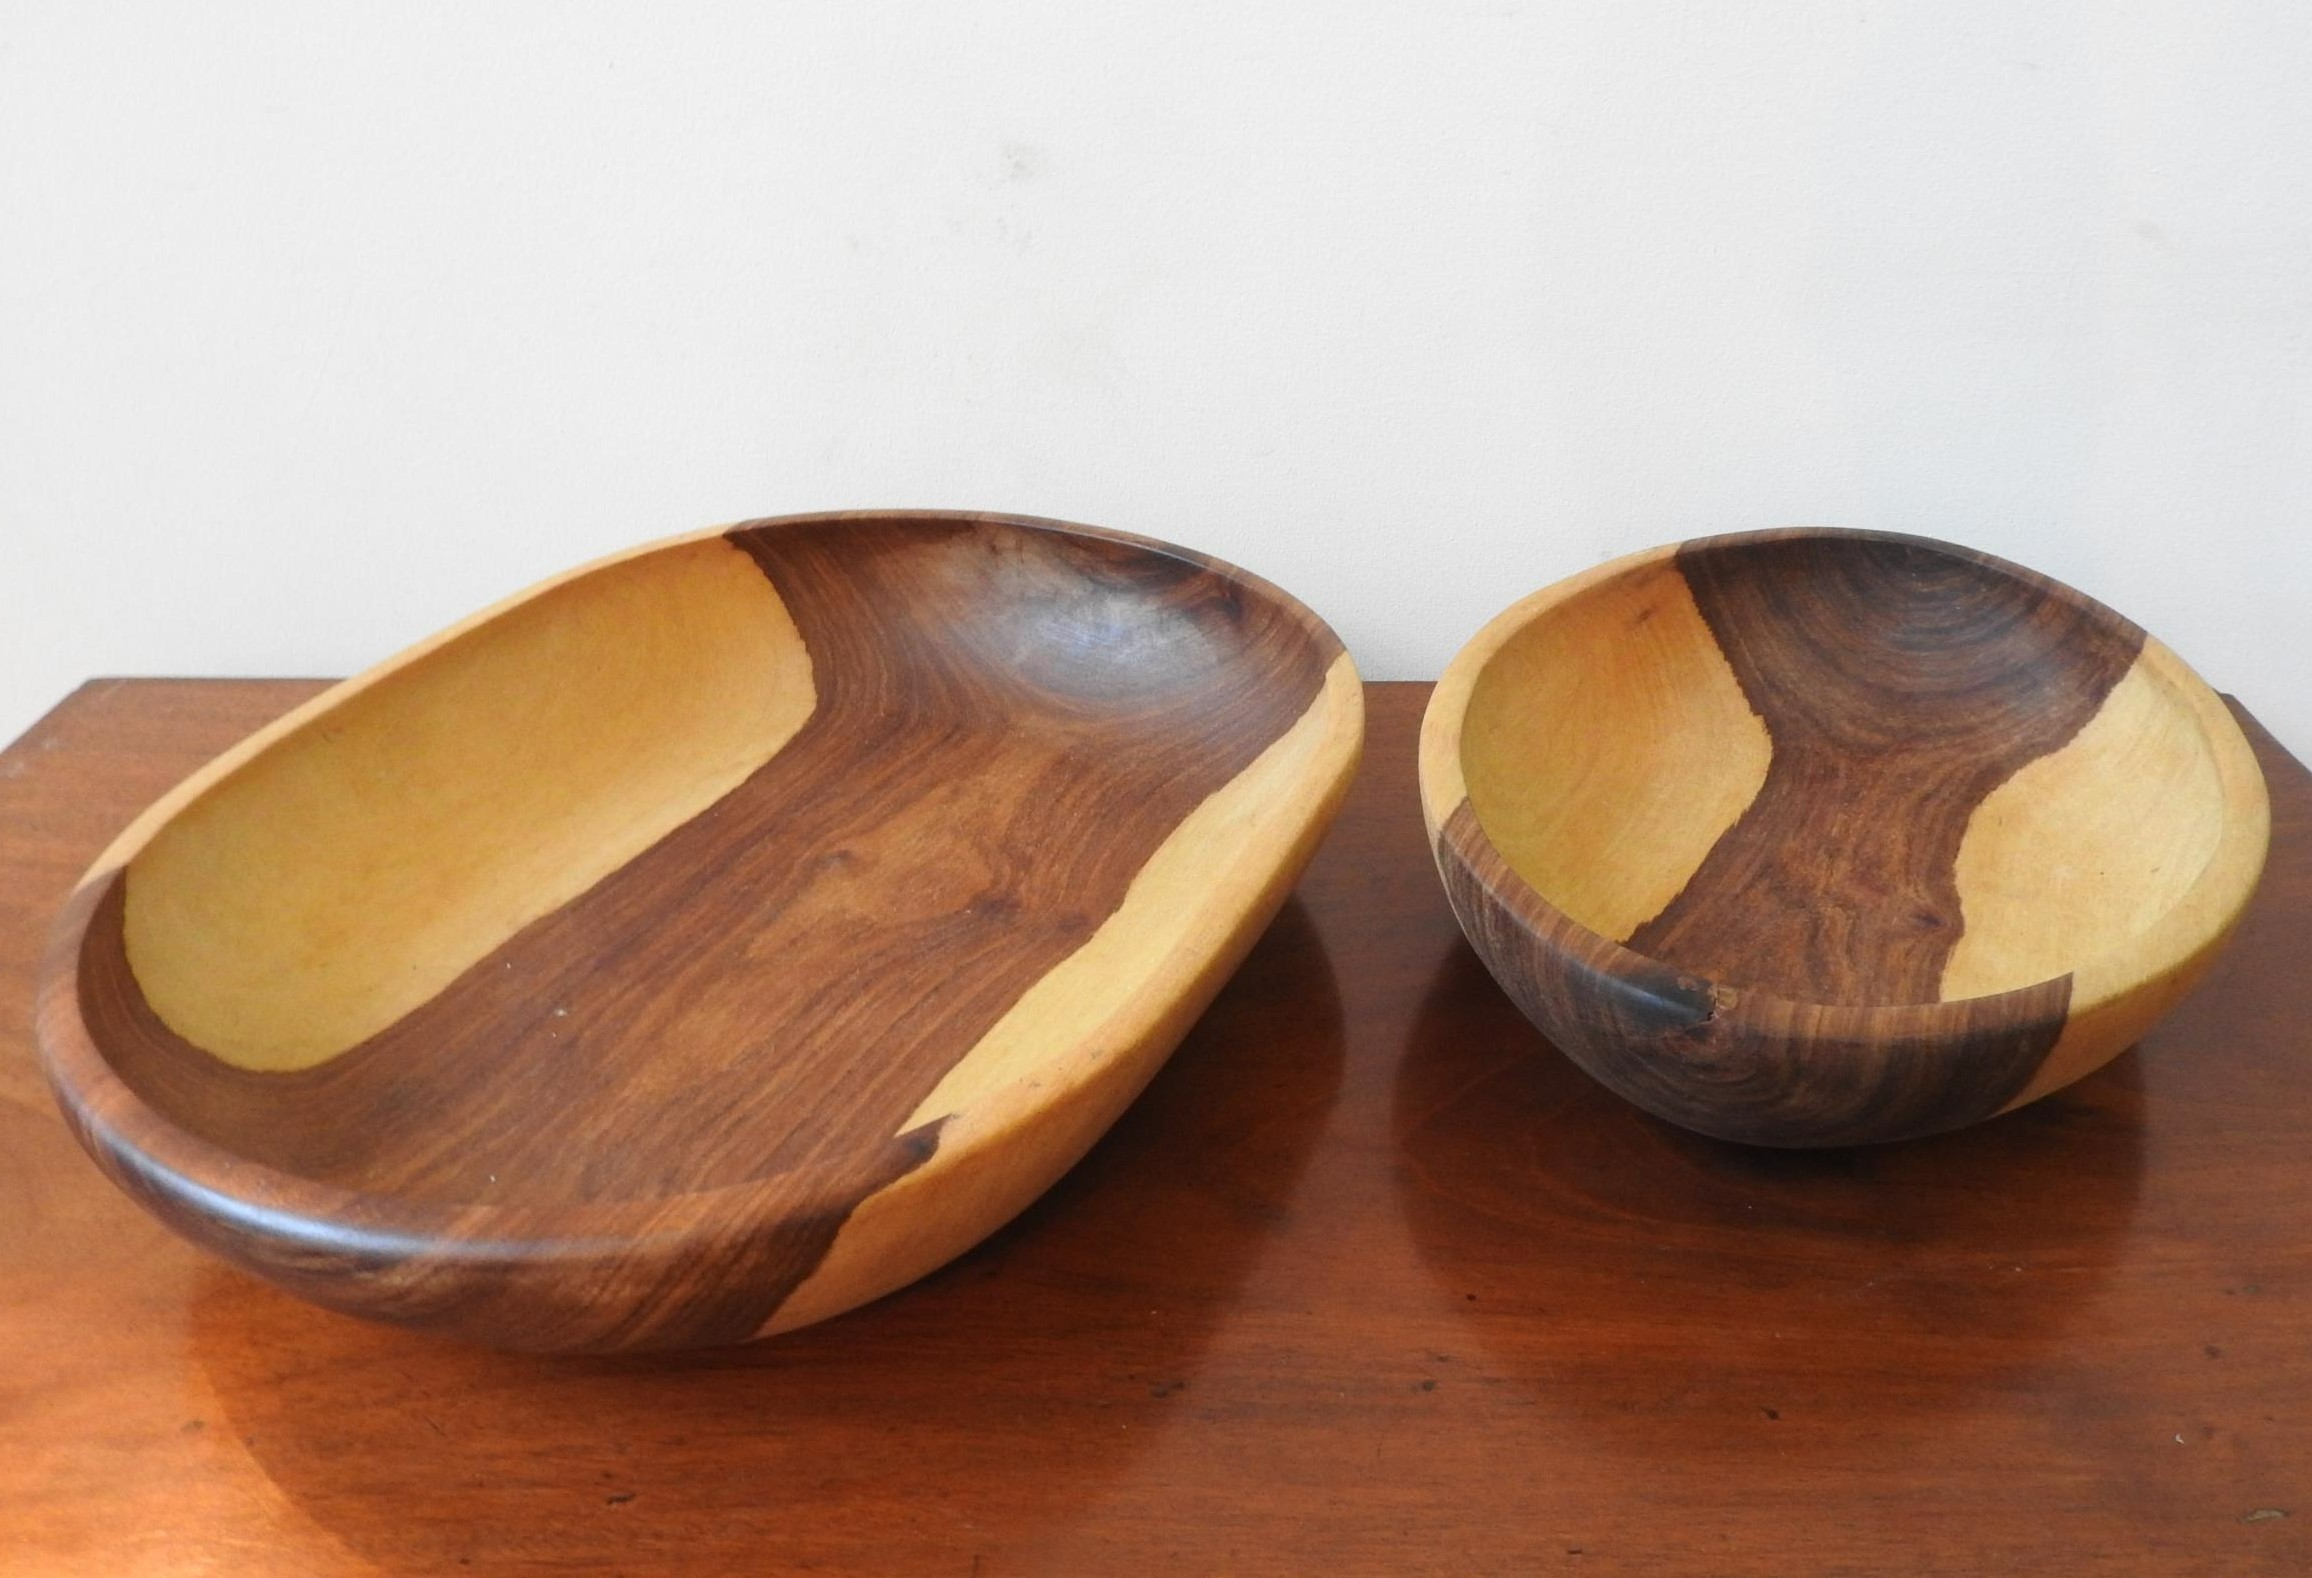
(1843,768)
(695,868)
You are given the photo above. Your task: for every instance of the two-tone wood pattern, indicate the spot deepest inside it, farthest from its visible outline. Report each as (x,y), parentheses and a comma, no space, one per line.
(1813,838)
(708,941)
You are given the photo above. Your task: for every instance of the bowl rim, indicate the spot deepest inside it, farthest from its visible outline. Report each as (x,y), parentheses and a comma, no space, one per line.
(237,1200)
(2199,919)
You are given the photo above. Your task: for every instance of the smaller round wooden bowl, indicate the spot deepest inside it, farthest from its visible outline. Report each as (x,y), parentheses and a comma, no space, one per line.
(1826,837)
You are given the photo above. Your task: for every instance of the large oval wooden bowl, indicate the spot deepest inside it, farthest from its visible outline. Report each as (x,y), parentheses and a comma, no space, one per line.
(706,941)
(1815,837)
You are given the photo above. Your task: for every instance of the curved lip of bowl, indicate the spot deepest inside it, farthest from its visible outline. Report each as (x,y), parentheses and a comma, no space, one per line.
(149,1154)
(2198,920)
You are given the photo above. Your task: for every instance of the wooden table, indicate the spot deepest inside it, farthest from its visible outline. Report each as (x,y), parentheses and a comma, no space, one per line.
(1371,1280)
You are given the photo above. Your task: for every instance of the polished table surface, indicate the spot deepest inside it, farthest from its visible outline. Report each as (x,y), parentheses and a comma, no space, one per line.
(1371,1280)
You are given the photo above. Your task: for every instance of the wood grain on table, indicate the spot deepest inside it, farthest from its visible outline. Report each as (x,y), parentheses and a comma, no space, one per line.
(1371,1280)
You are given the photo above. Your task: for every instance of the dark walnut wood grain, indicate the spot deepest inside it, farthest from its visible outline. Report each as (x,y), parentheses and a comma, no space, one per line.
(645,1117)
(1745,1066)
(1816,838)
(1370,1281)
(1900,683)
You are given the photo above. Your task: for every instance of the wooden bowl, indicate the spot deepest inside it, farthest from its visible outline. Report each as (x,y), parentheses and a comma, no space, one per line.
(706,941)
(1819,837)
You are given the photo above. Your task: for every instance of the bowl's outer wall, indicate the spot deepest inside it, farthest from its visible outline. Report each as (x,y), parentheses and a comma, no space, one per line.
(723,1263)
(1743,1066)
(1753,1065)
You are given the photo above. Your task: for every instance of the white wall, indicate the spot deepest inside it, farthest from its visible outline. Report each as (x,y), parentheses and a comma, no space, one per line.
(321,325)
